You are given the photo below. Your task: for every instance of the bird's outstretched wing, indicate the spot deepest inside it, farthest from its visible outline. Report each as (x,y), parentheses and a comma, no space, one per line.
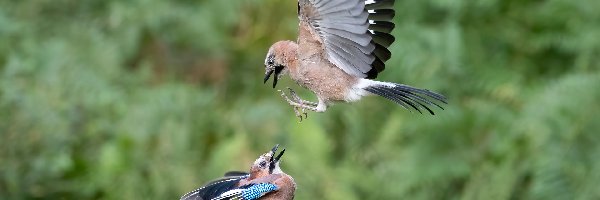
(215,188)
(355,33)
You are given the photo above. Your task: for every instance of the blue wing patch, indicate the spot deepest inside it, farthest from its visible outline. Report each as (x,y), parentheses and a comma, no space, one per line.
(247,192)
(258,190)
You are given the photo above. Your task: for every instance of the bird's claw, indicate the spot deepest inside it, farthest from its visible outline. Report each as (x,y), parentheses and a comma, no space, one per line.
(298,110)
(297,99)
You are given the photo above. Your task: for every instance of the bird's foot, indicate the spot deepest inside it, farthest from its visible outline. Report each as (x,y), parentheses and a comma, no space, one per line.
(299,100)
(300,106)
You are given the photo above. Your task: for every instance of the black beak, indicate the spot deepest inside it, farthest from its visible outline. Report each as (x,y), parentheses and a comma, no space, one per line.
(275,79)
(277,70)
(268,75)
(274,149)
(274,159)
(279,156)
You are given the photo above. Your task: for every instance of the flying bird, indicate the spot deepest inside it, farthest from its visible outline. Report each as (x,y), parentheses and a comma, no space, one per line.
(265,181)
(342,45)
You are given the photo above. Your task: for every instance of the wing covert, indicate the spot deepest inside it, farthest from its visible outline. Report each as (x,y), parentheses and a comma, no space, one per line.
(214,189)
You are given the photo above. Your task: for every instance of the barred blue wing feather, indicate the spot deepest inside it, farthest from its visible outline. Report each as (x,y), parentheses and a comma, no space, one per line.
(248,192)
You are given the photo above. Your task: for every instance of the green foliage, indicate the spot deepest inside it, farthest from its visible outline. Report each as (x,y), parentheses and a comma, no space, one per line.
(148,99)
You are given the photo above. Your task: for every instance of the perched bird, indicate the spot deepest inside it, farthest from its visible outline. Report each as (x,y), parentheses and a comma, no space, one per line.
(341,46)
(265,181)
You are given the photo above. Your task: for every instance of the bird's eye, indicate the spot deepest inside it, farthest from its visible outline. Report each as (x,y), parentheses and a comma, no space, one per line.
(270,62)
(263,164)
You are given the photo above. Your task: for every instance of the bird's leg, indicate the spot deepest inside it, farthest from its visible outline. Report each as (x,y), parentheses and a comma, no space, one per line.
(298,105)
(297,99)
(293,104)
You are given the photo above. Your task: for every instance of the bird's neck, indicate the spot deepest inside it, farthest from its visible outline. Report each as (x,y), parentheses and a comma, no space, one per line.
(277,170)
(290,54)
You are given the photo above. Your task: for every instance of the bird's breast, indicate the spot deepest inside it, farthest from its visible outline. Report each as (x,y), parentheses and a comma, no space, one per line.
(286,190)
(328,82)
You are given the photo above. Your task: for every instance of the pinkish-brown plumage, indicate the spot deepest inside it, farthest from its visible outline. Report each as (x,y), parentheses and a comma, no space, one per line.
(341,45)
(265,170)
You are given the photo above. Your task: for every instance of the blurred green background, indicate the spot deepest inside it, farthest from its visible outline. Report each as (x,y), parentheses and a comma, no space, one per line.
(149,99)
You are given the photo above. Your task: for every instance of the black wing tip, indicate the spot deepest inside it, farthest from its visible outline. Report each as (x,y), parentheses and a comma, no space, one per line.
(382,26)
(372,74)
(378,66)
(380,4)
(381,14)
(383,39)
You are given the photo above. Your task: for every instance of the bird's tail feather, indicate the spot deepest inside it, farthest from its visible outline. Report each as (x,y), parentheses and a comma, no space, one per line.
(406,96)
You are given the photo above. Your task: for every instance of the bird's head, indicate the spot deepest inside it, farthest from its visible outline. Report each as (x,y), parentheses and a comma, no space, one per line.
(279,57)
(267,163)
